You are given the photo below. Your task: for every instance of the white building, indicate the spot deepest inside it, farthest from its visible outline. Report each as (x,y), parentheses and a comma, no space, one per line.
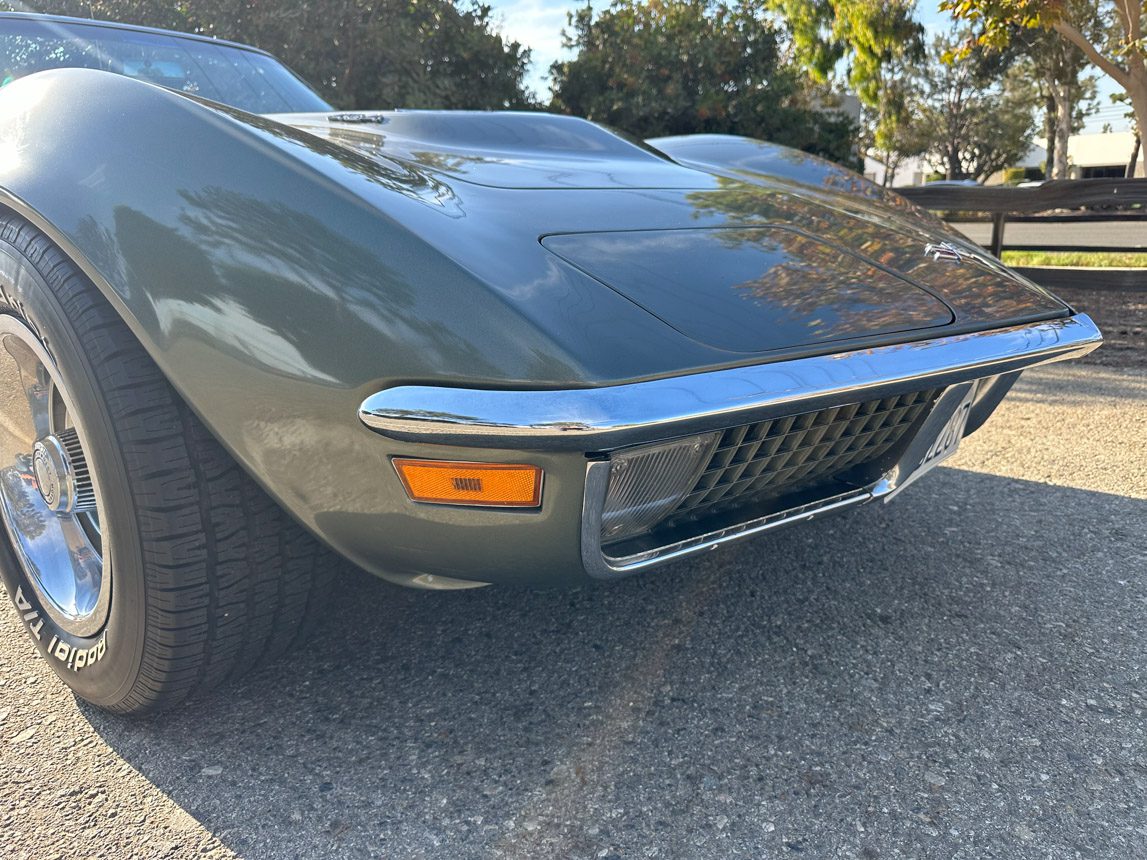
(1090,156)
(1093,156)
(912,171)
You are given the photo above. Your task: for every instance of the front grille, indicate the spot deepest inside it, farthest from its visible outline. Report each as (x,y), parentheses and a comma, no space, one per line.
(754,463)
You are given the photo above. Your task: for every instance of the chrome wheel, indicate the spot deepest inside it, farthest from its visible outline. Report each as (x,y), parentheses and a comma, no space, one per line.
(49,498)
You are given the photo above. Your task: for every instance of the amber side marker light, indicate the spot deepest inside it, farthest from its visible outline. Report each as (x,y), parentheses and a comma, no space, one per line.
(445,482)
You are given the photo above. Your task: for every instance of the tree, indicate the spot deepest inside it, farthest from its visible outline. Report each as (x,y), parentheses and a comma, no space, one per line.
(889,132)
(1112,34)
(976,113)
(872,35)
(1057,69)
(879,41)
(1067,95)
(358,53)
(682,66)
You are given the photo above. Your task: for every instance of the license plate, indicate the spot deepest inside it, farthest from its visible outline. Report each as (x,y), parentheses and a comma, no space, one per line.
(930,448)
(949,439)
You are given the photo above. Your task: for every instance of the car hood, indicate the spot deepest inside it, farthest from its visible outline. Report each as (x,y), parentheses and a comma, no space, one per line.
(503,149)
(796,254)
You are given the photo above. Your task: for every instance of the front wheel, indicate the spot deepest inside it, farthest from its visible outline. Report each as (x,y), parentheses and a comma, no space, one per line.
(143,562)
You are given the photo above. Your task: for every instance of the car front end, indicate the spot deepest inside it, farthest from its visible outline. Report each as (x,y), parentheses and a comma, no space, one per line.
(680,465)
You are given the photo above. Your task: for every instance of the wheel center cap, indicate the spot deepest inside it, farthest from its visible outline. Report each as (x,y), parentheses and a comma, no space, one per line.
(53,474)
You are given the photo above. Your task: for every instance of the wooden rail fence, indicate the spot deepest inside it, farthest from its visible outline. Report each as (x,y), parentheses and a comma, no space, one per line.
(1078,200)
(1115,298)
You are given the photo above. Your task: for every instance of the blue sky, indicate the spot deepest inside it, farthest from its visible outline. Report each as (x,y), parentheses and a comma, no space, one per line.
(538,24)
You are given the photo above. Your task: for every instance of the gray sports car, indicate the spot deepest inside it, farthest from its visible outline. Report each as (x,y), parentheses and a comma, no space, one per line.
(239,329)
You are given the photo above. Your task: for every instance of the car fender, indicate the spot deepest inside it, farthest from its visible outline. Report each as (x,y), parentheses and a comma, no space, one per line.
(745,157)
(269,274)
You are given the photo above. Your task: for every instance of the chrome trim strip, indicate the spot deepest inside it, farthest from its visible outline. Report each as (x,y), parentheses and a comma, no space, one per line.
(588,419)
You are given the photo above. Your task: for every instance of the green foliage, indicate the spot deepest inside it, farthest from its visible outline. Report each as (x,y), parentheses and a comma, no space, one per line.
(1016,175)
(997,21)
(1058,69)
(873,35)
(879,40)
(1088,259)
(1111,34)
(975,113)
(889,132)
(357,53)
(684,66)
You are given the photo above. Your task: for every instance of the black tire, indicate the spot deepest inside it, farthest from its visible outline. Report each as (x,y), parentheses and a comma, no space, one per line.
(209,577)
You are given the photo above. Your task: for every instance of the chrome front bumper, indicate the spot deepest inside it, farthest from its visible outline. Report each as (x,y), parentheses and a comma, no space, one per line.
(596,421)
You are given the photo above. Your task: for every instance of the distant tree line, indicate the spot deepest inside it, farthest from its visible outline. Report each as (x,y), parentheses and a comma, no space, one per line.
(663,67)
(1109,35)
(648,68)
(357,53)
(969,101)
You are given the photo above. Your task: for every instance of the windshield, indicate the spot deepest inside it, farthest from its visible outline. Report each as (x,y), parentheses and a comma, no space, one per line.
(247,80)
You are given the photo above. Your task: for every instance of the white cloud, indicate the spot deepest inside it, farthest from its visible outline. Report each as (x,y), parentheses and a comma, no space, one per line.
(538,25)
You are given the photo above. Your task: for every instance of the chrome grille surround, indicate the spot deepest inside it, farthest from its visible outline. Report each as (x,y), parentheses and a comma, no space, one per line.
(899,466)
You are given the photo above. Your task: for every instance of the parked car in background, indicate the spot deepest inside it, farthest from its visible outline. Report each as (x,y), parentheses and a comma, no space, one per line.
(239,329)
(952,183)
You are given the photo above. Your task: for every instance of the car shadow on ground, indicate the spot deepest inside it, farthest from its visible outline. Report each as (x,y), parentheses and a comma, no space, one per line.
(958,674)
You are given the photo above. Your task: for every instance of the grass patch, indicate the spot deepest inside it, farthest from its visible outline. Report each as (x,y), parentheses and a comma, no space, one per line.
(1091,260)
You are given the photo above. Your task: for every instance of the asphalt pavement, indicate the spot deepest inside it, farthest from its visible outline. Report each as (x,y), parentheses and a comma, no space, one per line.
(961,674)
